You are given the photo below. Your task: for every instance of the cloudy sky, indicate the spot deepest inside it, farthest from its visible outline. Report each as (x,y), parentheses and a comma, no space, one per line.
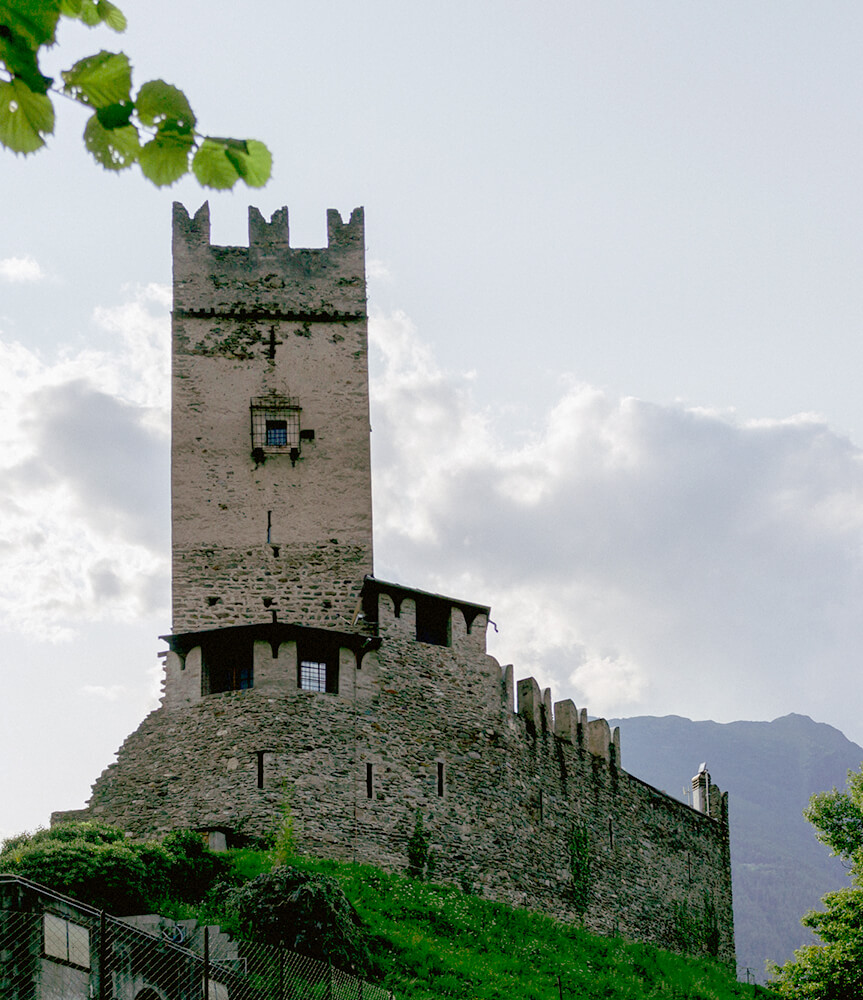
(616,344)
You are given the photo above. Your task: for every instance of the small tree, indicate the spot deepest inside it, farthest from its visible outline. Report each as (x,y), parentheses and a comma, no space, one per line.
(285,837)
(833,970)
(305,913)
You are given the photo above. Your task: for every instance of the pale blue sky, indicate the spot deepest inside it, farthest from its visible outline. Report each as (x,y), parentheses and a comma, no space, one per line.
(567,206)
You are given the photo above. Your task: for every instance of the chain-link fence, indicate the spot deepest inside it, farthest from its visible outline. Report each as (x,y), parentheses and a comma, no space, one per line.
(54,949)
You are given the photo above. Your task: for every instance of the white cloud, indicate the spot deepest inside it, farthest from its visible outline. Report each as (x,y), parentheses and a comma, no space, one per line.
(110,692)
(20,269)
(84,477)
(640,558)
(377,270)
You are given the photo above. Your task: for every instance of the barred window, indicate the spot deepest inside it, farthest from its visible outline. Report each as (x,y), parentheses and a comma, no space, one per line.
(275,423)
(313,675)
(277,433)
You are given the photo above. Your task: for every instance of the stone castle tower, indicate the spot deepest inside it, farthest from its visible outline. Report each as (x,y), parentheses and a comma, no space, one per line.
(293,673)
(270,473)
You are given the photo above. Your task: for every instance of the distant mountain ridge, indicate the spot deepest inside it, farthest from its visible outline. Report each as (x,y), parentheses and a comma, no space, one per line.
(769,769)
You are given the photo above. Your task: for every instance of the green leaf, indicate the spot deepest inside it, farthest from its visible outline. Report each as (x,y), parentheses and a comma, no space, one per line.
(159,102)
(254,164)
(115,148)
(34,21)
(165,158)
(89,14)
(25,117)
(112,16)
(115,115)
(100,80)
(220,163)
(22,61)
(213,168)
(94,12)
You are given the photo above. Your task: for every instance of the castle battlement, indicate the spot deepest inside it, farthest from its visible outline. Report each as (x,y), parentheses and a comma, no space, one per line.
(269,278)
(566,722)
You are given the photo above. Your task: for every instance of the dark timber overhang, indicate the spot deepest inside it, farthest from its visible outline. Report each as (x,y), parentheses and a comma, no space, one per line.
(274,633)
(397,593)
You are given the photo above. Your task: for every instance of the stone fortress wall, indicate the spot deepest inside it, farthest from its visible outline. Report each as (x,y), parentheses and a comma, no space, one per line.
(366,704)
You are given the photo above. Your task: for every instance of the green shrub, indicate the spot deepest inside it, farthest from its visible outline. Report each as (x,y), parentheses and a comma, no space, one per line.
(106,876)
(192,868)
(89,831)
(305,913)
(97,864)
(420,863)
(579,866)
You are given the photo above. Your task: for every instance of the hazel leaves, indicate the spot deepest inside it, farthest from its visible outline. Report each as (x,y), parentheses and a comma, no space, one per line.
(156,128)
(25,117)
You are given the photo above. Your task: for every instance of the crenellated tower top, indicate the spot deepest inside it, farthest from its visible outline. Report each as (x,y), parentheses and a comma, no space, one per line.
(269,277)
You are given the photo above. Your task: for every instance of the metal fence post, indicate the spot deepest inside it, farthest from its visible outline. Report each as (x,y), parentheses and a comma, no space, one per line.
(104,971)
(206,989)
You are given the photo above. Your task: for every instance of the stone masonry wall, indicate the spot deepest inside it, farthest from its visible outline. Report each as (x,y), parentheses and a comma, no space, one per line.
(517,786)
(318,584)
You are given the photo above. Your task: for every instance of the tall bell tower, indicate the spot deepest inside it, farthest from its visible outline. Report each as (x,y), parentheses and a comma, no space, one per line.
(270,471)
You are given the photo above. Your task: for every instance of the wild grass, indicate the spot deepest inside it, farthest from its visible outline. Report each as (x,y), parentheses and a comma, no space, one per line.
(433,941)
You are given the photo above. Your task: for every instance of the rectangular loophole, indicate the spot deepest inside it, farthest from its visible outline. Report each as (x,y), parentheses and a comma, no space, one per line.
(370,780)
(440,778)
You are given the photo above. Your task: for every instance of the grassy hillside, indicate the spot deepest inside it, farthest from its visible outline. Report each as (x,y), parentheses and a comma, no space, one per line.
(434,941)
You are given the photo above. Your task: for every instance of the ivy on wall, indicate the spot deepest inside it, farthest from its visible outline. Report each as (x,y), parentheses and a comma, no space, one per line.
(579,865)
(696,928)
(420,858)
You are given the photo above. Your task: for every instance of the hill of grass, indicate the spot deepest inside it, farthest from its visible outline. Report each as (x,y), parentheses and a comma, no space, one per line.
(433,941)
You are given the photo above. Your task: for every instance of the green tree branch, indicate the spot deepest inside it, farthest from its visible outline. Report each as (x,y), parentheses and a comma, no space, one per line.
(155,127)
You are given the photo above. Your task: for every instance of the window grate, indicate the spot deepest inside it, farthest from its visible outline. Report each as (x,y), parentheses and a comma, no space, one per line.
(275,423)
(313,675)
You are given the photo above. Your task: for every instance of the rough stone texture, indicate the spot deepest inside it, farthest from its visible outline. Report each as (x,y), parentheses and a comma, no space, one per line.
(407,727)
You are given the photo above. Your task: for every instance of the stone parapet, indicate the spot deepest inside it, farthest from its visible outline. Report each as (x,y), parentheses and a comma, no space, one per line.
(269,278)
